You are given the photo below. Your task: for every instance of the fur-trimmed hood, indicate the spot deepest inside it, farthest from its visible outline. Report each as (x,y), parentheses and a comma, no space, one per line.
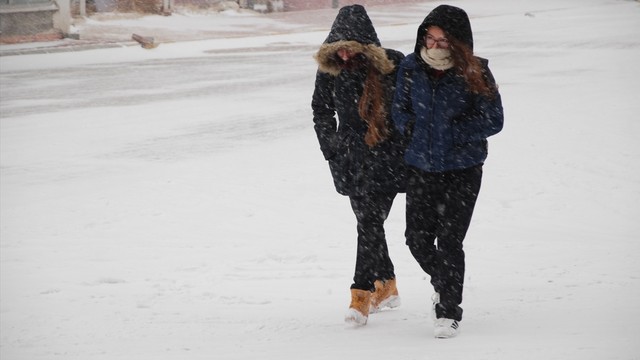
(328,60)
(354,31)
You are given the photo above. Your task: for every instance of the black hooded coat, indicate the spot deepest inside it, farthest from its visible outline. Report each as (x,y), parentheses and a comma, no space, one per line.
(357,169)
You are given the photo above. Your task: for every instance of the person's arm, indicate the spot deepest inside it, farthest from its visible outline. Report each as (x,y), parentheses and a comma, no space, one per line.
(324,113)
(485,118)
(402,110)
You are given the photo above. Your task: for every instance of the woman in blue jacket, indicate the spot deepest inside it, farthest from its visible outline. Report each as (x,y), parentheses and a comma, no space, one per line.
(446,104)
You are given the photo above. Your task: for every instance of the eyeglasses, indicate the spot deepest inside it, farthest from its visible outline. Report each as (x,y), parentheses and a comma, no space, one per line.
(442,42)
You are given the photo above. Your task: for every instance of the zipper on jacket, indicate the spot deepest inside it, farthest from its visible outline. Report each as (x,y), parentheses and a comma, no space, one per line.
(434,84)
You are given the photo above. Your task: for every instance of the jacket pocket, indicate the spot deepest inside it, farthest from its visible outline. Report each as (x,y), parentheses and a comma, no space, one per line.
(340,165)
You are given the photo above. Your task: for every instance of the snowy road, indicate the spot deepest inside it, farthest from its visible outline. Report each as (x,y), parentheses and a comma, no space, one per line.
(174,204)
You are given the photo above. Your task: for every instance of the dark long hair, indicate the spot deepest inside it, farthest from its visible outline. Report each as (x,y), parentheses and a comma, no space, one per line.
(371,108)
(469,67)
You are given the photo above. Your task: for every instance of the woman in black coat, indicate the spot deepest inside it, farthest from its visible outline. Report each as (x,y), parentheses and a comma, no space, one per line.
(356,82)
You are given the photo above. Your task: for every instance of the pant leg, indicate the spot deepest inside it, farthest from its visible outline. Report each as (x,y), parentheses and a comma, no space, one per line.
(424,199)
(460,193)
(372,259)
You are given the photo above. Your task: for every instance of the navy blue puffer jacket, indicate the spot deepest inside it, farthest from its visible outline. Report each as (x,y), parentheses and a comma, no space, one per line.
(447,125)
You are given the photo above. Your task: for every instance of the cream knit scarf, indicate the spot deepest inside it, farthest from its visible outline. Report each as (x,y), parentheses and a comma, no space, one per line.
(439,59)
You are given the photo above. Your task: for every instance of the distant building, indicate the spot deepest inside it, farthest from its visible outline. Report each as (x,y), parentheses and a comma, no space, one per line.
(297,5)
(40,20)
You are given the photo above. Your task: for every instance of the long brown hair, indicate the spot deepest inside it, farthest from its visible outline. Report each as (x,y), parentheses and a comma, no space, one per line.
(469,67)
(371,108)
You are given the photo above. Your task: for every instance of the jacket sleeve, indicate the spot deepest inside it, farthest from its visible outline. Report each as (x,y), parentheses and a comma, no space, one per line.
(402,110)
(324,112)
(484,119)
(390,84)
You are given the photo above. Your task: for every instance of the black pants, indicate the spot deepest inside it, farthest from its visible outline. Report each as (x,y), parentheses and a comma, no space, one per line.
(439,210)
(372,259)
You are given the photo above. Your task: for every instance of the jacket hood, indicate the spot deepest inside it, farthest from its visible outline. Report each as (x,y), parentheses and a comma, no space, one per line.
(353,24)
(353,30)
(453,20)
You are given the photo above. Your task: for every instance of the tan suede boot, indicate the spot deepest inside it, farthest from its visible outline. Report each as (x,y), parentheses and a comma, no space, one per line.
(385,296)
(358,312)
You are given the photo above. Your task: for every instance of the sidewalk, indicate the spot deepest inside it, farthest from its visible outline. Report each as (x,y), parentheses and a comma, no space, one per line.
(55,46)
(105,30)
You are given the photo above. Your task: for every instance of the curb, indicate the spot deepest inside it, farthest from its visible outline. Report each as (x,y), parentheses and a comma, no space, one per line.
(68,47)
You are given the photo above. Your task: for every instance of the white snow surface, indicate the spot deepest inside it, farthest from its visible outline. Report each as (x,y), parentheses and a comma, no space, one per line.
(173,203)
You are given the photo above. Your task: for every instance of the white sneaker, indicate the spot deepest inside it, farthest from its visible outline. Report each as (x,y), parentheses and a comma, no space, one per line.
(435,299)
(445,328)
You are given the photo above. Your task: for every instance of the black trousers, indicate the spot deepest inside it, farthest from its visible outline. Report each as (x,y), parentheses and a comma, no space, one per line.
(439,210)
(372,258)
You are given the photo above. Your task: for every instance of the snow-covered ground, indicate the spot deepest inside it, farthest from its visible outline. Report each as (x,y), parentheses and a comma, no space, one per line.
(173,203)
